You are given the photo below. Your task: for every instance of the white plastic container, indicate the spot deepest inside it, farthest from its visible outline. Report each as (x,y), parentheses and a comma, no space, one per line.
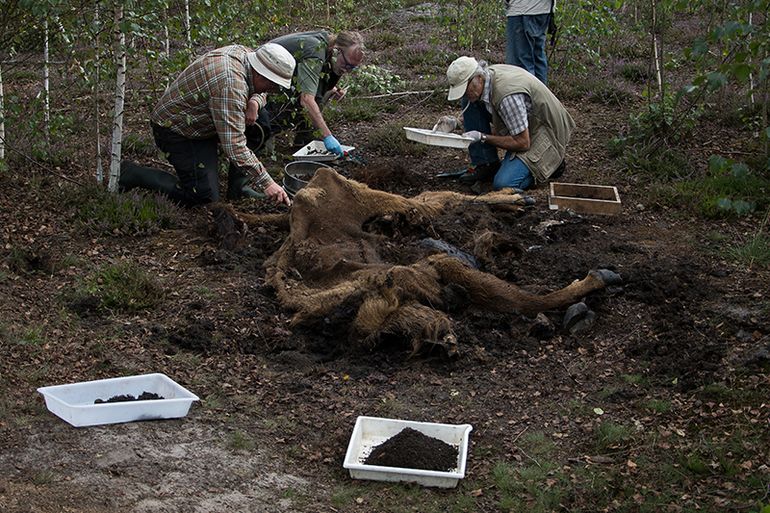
(370,432)
(74,403)
(424,136)
(316,151)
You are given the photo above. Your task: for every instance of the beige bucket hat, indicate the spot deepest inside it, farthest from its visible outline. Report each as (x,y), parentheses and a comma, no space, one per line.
(274,62)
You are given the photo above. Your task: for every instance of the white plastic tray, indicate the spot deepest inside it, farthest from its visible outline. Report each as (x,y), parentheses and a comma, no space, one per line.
(424,136)
(74,403)
(372,431)
(316,151)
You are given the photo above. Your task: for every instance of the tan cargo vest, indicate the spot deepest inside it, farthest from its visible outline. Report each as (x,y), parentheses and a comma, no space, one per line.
(550,125)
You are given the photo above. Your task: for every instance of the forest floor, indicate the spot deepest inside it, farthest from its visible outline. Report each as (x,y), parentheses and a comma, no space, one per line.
(660,405)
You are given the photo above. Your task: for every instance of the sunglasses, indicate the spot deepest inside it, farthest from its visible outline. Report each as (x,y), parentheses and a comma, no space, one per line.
(347,66)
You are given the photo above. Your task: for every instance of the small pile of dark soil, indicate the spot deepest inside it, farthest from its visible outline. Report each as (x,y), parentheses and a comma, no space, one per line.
(412,449)
(145,396)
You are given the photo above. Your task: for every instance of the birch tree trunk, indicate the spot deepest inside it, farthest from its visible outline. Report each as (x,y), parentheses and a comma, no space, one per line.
(655,50)
(120,91)
(2,117)
(751,75)
(166,39)
(46,88)
(187,27)
(95,90)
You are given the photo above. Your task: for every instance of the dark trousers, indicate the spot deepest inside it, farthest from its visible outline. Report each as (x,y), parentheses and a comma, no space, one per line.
(196,162)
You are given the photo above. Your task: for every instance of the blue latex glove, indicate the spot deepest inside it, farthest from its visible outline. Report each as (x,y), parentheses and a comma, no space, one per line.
(333,145)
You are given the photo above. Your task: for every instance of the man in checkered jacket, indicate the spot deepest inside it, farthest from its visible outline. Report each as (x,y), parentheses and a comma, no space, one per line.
(215,102)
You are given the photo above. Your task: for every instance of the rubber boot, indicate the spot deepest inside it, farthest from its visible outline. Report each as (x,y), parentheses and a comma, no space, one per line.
(133,175)
(237,185)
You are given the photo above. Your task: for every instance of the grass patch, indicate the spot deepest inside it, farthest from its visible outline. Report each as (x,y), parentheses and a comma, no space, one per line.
(534,488)
(696,465)
(43,477)
(215,401)
(716,391)
(384,40)
(637,73)
(345,495)
(608,392)
(280,424)
(30,260)
(658,405)
(666,164)
(729,190)
(32,337)
(611,435)
(634,379)
(139,145)
(356,110)
(424,56)
(755,252)
(390,139)
(464,504)
(239,441)
(124,287)
(538,444)
(597,90)
(100,212)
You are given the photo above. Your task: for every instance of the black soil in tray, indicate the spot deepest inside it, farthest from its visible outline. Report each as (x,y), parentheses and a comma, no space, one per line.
(412,449)
(146,396)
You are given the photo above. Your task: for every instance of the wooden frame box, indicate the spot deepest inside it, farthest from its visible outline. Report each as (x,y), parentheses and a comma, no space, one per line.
(584,198)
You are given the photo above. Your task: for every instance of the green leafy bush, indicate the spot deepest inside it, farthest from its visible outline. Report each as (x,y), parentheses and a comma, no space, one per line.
(372,79)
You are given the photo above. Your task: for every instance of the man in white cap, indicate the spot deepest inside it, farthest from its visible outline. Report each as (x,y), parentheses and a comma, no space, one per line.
(508,108)
(215,101)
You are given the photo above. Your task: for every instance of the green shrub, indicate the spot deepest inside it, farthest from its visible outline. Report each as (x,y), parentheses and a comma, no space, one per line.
(102,213)
(123,286)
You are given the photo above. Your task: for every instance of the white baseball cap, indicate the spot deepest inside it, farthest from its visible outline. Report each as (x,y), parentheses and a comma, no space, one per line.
(274,62)
(459,72)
